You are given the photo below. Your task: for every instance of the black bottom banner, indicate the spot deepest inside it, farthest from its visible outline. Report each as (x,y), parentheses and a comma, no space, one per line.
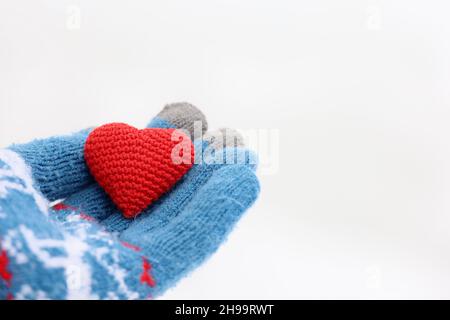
(215,309)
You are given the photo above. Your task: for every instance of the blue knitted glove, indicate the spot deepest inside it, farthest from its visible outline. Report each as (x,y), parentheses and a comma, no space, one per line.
(83,248)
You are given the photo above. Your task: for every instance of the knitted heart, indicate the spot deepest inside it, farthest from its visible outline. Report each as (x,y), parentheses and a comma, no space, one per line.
(135,167)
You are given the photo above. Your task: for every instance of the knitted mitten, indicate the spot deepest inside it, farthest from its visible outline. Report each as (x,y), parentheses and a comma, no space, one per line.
(84,248)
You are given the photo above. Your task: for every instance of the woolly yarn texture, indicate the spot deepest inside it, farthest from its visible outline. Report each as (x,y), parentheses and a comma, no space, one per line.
(84,248)
(135,167)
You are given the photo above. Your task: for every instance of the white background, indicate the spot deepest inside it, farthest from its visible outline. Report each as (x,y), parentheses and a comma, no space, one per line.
(359,91)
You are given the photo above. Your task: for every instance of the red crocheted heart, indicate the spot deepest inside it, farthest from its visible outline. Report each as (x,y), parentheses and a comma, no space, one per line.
(135,167)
